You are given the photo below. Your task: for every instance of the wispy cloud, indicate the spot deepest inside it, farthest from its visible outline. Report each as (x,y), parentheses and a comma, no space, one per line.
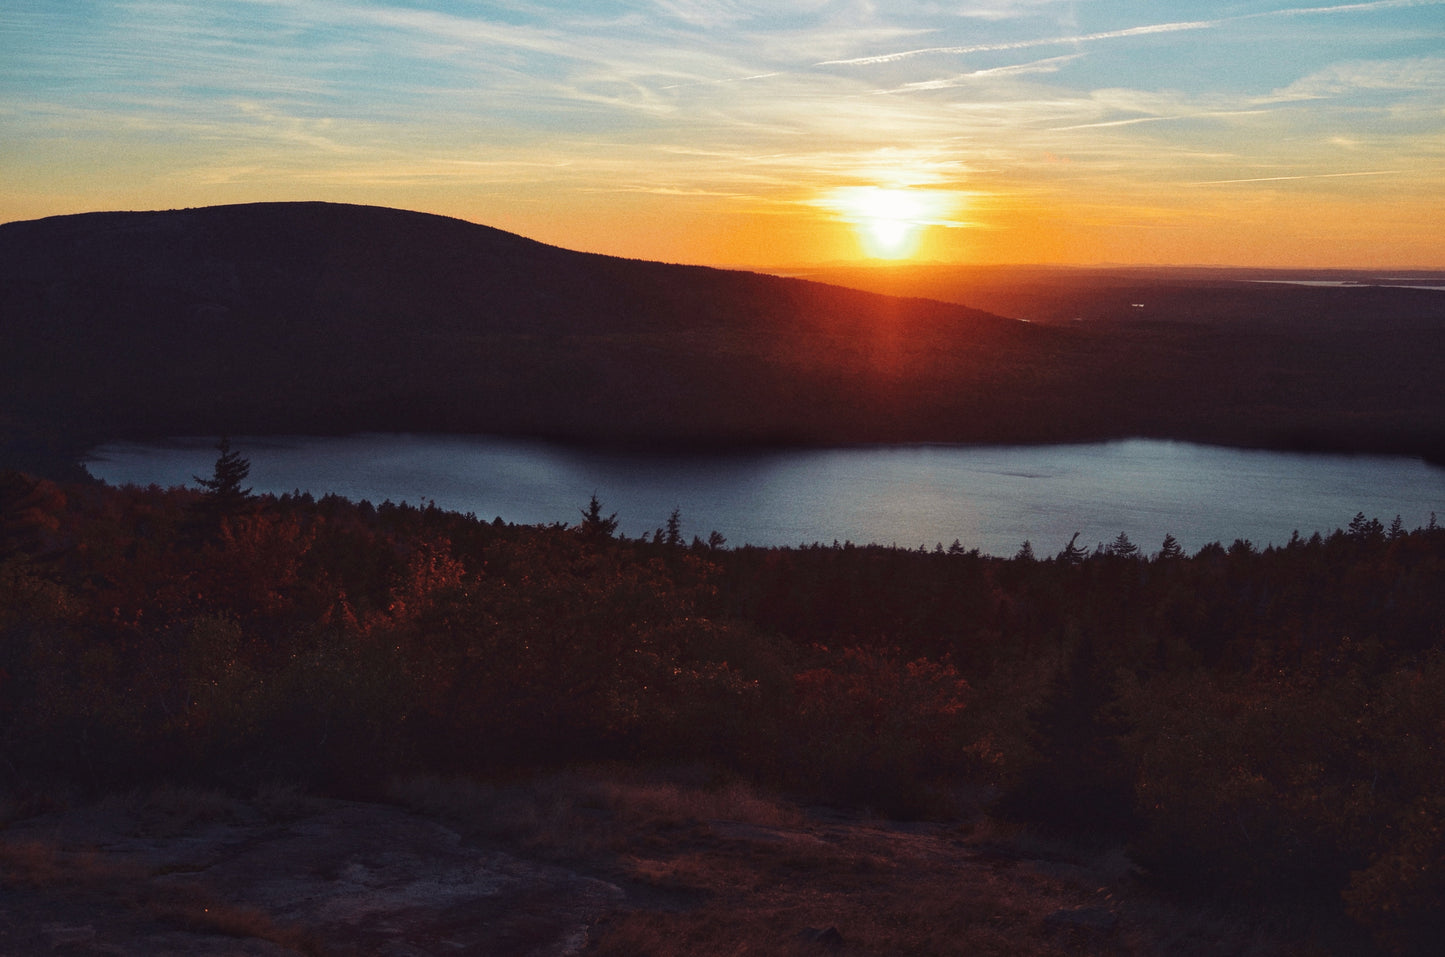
(1425,74)
(1126,32)
(1023,44)
(1369,7)
(1050,65)
(1299,176)
(1131,121)
(742,104)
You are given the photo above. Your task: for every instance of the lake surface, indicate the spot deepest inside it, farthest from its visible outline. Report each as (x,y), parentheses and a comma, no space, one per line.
(989,498)
(1387,281)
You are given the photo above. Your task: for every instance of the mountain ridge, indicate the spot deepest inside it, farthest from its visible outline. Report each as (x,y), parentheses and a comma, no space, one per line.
(295,318)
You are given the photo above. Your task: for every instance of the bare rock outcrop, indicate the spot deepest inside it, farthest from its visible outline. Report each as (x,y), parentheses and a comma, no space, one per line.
(337,879)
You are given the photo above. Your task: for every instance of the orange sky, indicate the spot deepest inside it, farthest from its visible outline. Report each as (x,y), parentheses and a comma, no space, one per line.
(738,132)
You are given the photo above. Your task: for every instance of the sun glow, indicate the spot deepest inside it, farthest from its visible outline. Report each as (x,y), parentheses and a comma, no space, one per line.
(890,221)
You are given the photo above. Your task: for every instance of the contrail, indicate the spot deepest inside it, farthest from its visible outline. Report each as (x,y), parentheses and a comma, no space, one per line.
(1132,31)
(1344,8)
(1024,44)
(1275,179)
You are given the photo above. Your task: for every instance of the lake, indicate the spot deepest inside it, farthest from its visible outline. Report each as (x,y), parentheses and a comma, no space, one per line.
(989,498)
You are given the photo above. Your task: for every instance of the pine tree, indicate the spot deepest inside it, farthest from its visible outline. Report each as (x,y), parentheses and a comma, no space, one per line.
(223,492)
(1080,780)
(1121,547)
(594,526)
(1366,530)
(1171,548)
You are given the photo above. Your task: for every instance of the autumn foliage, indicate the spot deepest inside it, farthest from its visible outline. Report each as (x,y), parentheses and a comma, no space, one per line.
(1260,727)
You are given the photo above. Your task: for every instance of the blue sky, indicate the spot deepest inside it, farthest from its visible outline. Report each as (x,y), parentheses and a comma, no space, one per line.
(731,131)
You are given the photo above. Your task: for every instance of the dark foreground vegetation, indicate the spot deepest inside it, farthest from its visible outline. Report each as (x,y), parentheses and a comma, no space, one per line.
(1258,729)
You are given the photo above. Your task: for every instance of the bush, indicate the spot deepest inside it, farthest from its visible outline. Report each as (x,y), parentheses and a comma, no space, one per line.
(871,728)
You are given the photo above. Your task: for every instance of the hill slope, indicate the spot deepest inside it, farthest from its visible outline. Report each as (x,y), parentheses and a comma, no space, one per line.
(314,317)
(300,317)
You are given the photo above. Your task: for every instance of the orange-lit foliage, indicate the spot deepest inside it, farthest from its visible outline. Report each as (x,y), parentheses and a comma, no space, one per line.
(1262,726)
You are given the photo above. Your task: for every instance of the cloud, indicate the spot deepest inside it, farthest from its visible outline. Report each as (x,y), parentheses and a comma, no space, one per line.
(1370,7)
(1050,65)
(1131,121)
(1124,33)
(1023,44)
(737,101)
(1299,176)
(1424,74)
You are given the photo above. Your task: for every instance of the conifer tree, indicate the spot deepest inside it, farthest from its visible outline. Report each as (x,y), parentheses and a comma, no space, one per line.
(1072,553)
(1121,547)
(1080,779)
(223,488)
(594,526)
(1171,548)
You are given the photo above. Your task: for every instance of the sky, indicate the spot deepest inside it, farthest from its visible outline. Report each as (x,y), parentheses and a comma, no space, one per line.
(749,133)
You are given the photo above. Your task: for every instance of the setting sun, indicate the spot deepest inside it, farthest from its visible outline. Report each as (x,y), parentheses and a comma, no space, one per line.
(761,135)
(890,221)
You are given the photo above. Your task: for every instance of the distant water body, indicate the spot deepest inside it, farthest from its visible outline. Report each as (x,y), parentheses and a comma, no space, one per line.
(1432,284)
(989,498)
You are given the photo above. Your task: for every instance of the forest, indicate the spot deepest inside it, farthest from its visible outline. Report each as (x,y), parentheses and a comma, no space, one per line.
(1259,728)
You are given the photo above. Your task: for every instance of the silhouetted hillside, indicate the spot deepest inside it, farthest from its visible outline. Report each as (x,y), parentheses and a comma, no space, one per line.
(315,317)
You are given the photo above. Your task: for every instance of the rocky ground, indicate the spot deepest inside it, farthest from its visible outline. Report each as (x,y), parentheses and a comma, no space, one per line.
(566,865)
(325,877)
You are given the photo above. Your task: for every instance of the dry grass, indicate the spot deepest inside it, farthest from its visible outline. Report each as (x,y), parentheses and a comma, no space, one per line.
(284,801)
(585,813)
(43,865)
(170,810)
(768,905)
(191,908)
(666,802)
(716,867)
(713,866)
(103,884)
(24,802)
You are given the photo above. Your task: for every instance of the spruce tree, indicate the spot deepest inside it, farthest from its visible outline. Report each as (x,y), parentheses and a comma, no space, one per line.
(223,492)
(1079,782)
(1121,547)
(1171,549)
(594,527)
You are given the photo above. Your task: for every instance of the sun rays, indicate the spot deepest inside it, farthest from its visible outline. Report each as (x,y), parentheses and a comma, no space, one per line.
(891,221)
(732,134)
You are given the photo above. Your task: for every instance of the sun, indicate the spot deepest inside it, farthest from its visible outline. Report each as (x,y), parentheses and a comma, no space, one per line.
(890,221)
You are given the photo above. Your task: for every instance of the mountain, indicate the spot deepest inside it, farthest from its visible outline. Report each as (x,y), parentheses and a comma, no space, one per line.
(291,318)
